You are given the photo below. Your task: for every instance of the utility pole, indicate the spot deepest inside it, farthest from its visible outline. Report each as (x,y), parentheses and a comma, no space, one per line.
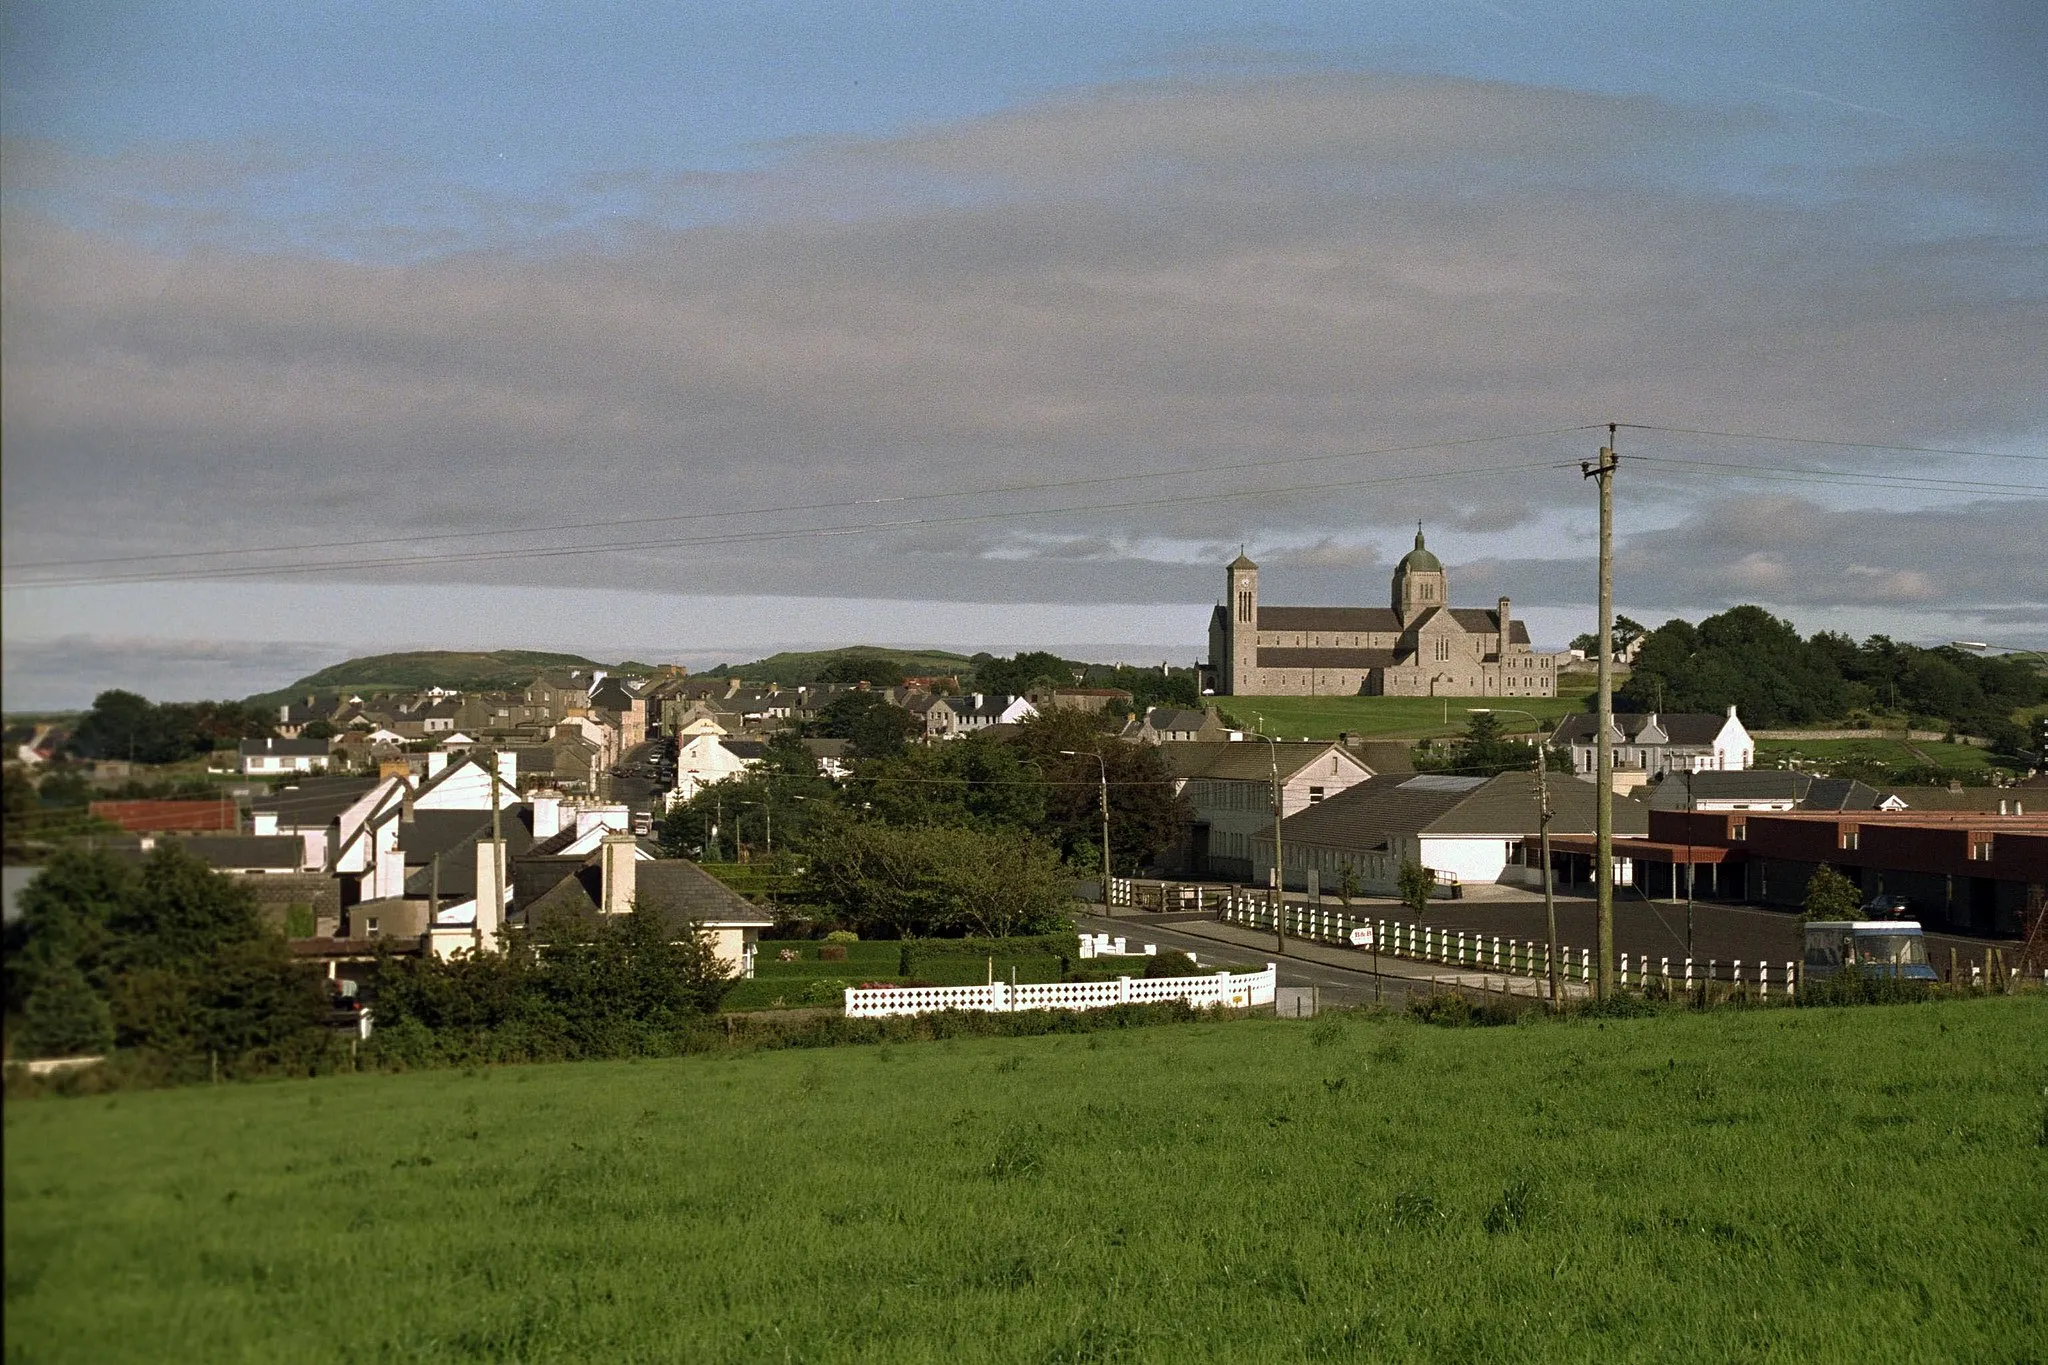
(1543,838)
(1603,799)
(497,853)
(1102,767)
(1279,863)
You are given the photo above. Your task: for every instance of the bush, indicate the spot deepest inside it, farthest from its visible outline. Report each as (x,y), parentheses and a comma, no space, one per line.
(842,936)
(1171,964)
(1852,986)
(1830,895)
(1451,1010)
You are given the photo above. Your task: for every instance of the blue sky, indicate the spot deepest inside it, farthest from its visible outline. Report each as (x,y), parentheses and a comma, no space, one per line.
(286,275)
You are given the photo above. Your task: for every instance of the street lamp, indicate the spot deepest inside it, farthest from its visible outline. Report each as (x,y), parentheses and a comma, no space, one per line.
(1279,864)
(1542,833)
(1103,765)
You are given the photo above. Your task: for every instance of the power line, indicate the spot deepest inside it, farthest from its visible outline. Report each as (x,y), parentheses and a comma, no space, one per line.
(1846,479)
(741,537)
(1817,441)
(995,491)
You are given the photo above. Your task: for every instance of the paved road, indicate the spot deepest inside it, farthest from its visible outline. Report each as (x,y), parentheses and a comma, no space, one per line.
(1304,964)
(638,793)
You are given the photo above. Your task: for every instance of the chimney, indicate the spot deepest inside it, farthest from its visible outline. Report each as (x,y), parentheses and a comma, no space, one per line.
(264,822)
(437,759)
(617,863)
(490,893)
(404,802)
(547,816)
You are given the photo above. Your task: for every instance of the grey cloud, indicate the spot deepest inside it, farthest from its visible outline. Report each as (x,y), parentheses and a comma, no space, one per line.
(66,673)
(1140,279)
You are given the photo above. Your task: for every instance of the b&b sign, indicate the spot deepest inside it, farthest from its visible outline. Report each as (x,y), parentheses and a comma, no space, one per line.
(1361,937)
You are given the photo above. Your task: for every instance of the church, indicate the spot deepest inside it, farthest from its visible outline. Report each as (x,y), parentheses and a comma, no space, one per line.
(1421,646)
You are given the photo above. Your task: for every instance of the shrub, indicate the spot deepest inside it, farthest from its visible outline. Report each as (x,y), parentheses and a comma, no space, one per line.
(1417,884)
(1852,986)
(842,936)
(1451,1010)
(1830,895)
(1171,964)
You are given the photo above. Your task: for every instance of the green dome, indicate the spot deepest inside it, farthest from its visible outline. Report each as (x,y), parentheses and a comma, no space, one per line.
(1420,560)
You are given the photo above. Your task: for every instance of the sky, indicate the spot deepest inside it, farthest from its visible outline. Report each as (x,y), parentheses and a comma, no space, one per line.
(694,332)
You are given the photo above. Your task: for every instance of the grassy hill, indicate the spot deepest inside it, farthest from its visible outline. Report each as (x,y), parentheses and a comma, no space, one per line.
(796,667)
(1778,1184)
(417,669)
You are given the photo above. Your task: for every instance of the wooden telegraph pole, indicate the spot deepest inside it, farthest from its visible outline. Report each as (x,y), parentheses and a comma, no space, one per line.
(1603,801)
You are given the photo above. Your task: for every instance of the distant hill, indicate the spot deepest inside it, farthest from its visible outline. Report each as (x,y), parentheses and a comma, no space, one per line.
(794,669)
(501,668)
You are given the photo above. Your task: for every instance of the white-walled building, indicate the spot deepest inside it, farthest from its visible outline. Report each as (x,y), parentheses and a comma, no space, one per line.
(1656,743)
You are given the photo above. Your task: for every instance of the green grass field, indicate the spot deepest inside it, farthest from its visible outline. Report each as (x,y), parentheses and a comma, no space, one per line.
(1408,718)
(1892,753)
(1847,1185)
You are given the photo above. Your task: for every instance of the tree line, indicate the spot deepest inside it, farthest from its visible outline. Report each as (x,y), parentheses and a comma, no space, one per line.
(127,725)
(1750,659)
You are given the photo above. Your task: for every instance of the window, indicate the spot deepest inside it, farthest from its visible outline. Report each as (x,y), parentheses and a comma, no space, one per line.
(1315,794)
(370,928)
(1980,850)
(1849,840)
(1244,606)
(1739,831)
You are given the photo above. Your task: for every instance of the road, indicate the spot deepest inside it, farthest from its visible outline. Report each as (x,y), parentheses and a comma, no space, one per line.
(1303,964)
(638,793)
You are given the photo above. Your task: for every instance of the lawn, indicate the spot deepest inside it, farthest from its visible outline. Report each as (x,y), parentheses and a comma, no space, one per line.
(1772,1184)
(1409,718)
(1892,753)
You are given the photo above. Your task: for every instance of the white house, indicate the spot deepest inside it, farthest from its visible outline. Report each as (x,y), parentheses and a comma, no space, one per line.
(1230,787)
(1468,830)
(706,754)
(271,757)
(951,717)
(1653,744)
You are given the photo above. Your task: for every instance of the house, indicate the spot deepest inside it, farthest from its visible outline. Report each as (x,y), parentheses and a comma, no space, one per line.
(1093,700)
(835,757)
(270,757)
(617,702)
(1468,830)
(1420,646)
(1653,744)
(310,811)
(951,717)
(618,876)
(1230,787)
(707,754)
(1172,725)
(367,857)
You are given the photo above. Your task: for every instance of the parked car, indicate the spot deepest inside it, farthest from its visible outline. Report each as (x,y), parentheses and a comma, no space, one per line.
(1887,907)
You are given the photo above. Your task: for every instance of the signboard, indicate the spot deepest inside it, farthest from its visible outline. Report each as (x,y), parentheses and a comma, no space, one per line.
(1361,937)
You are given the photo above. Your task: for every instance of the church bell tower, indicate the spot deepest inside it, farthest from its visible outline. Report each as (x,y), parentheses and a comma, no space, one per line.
(1419,582)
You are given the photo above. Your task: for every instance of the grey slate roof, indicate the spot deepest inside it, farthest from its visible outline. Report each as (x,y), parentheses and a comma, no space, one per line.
(1683,727)
(674,887)
(1382,620)
(230,851)
(1244,761)
(315,800)
(283,748)
(1754,784)
(454,834)
(1363,817)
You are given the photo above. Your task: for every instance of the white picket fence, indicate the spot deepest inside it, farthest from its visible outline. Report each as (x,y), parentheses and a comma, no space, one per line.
(1232,991)
(1493,953)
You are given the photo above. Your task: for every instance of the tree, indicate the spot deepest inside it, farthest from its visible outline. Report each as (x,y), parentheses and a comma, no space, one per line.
(1146,816)
(1014,677)
(1624,631)
(862,668)
(1417,883)
(877,728)
(1830,895)
(1348,885)
(65,1017)
(900,882)
(1744,657)
(974,781)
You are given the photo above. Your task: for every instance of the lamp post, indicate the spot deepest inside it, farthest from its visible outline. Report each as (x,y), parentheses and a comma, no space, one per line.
(1279,863)
(1542,834)
(1102,765)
